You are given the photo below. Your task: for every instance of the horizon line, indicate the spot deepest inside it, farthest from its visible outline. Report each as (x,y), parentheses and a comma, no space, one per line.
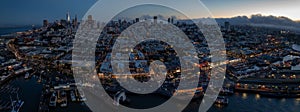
(214,17)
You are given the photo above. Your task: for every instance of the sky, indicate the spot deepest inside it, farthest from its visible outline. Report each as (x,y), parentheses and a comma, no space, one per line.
(25,12)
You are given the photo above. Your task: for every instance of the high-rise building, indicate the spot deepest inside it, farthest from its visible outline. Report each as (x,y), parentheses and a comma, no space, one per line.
(76,20)
(137,20)
(155,19)
(120,21)
(227,26)
(75,23)
(90,18)
(68,18)
(90,21)
(45,23)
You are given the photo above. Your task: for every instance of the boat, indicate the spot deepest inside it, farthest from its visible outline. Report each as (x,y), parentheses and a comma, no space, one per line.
(82,97)
(226,91)
(40,79)
(63,95)
(64,99)
(72,94)
(222,100)
(198,95)
(26,75)
(53,100)
(17,104)
(64,103)
(120,97)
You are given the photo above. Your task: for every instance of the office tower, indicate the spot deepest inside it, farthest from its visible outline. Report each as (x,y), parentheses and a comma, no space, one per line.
(90,18)
(75,23)
(120,21)
(172,21)
(169,20)
(76,18)
(98,24)
(68,17)
(45,23)
(227,26)
(137,20)
(155,19)
(232,28)
(90,21)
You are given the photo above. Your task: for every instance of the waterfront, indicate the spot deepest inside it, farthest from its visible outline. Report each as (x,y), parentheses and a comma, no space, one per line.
(28,90)
(4,31)
(245,102)
(249,102)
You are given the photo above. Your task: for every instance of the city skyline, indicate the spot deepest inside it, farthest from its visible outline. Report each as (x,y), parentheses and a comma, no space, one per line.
(147,55)
(34,11)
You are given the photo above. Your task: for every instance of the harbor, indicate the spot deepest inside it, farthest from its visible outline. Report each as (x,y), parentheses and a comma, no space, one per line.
(27,91)
(238,99)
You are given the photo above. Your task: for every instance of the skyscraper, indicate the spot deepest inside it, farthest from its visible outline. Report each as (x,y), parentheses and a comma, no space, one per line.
(75,23)
(68,17)
(90,21)
(45,23)
(90,18)
(76,18)
(155,19)
(227,26)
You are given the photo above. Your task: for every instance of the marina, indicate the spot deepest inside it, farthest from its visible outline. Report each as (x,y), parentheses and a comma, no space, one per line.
(17,104)
(19,89)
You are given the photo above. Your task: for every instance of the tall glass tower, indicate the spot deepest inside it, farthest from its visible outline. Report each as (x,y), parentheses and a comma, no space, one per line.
(68,17)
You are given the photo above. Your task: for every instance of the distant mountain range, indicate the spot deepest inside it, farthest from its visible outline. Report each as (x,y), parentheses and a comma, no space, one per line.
(260,20)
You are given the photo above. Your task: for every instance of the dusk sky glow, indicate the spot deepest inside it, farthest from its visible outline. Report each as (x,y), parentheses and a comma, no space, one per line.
(22,12)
